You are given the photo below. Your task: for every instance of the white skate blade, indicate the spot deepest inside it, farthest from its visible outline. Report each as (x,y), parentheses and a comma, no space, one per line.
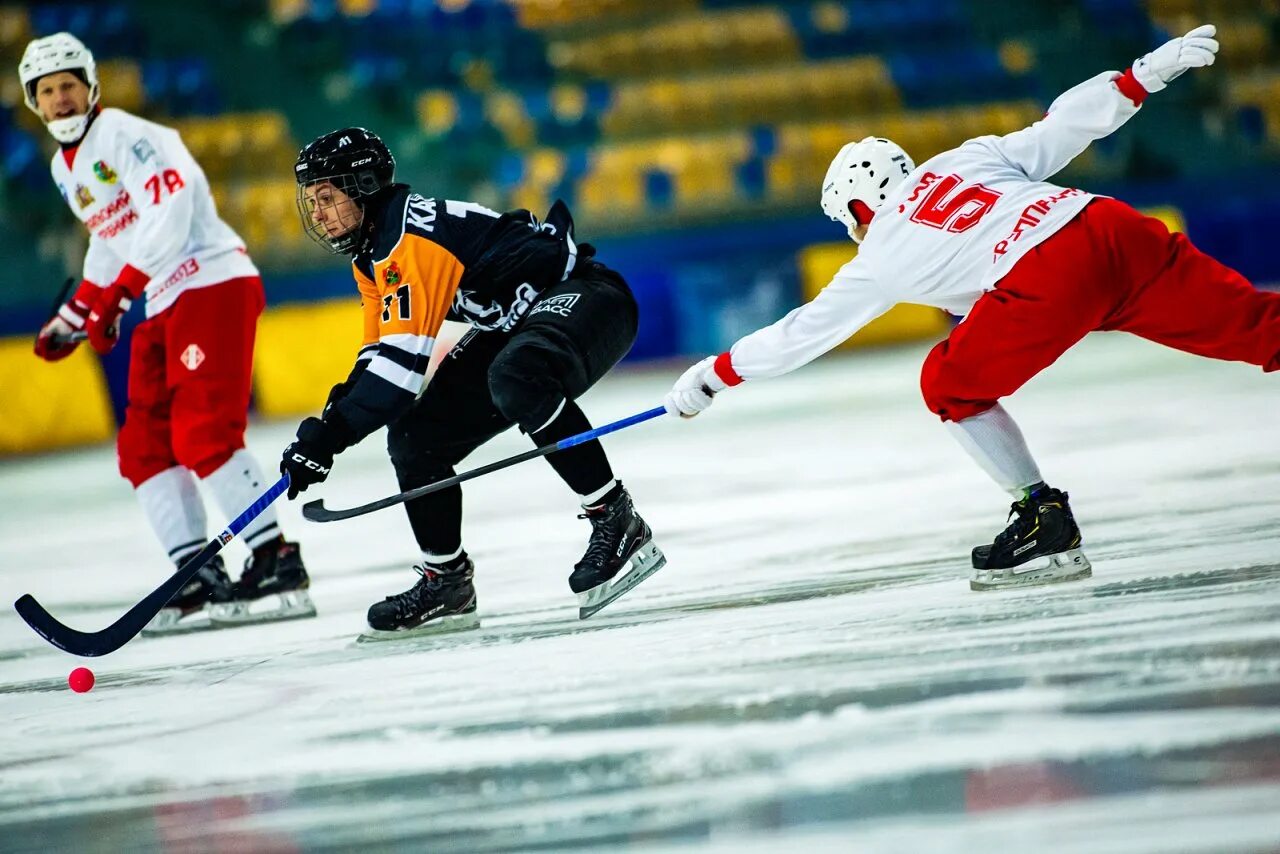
(442,626)
(647,560)
(171,621)
(272,608)
(1070,565)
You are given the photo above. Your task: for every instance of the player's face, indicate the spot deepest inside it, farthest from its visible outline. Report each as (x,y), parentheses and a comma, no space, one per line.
(860,231)
(332,210)
(61,96)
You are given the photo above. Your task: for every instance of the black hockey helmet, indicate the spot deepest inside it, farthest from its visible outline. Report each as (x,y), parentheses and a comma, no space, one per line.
(353,160)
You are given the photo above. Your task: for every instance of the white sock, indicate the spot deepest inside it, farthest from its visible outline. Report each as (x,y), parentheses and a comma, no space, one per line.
(436,560)
(236,485)
(994,441)
(594,498)
(172,505)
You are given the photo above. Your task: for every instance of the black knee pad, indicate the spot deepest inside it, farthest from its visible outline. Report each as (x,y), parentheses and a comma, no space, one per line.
(526,385)
(413,463)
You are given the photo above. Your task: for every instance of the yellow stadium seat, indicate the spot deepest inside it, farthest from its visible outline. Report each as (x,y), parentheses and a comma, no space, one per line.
(15,29)
(284,12)
(437,112)
(121,82)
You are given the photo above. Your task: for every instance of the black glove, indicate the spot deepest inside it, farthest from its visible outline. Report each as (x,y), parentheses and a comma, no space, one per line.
(308,460)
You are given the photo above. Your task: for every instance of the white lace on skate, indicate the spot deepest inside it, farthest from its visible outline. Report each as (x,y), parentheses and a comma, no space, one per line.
(647,560)
(1070,565)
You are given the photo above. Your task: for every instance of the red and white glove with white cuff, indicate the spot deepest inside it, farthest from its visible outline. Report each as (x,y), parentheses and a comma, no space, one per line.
(697,386)
(103,325)
(1196,49)
(53,342)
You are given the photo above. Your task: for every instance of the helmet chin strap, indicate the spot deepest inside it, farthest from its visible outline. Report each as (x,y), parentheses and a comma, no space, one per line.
(70,129)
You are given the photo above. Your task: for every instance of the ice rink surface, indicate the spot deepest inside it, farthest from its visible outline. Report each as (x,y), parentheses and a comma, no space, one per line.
(808,673)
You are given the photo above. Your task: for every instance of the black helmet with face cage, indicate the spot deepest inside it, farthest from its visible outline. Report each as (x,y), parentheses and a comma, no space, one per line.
(353,160)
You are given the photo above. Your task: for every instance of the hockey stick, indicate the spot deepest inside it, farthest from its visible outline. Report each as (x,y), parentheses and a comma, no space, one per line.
(123,630)
(317,512)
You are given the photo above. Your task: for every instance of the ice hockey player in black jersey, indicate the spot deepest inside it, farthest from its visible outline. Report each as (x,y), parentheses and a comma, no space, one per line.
(548,321)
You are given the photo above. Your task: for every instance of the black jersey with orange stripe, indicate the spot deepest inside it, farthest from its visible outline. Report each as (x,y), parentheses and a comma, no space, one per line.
(421,261)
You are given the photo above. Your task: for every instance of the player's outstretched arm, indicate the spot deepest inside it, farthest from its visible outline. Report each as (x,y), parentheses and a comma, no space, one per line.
(1098,107)
(849,302)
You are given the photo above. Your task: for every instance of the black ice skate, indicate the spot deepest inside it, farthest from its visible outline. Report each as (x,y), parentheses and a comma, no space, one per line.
(443,600)
(273,587)
(619,539)
(190,609)
(1040,546)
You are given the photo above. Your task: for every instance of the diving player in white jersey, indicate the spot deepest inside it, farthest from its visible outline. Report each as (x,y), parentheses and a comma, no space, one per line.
(153,230)
(1034,266)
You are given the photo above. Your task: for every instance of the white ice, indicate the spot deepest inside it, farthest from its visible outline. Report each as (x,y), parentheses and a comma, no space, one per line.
(809,671)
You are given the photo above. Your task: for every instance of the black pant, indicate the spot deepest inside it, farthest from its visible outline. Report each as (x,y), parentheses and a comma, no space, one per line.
(572,336)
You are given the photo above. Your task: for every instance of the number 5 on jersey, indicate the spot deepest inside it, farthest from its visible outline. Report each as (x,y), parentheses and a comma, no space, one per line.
(950,206)
(401,296)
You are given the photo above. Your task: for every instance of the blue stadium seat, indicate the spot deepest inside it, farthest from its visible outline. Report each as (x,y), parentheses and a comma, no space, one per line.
(659,190)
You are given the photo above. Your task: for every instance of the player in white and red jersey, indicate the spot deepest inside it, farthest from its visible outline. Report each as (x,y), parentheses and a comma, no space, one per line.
(1034,266)
(153,231)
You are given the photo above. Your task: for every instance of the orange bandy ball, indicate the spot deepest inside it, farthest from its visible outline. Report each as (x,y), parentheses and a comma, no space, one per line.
(80,680)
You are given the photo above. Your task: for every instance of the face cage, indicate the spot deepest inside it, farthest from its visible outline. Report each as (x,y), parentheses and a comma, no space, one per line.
(343,243)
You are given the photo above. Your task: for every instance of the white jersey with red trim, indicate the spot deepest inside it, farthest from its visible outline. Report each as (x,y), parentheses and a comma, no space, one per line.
(952,228)
(146,203)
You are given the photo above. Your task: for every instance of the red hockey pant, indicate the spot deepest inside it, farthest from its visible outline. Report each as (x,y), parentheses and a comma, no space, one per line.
(1111,268)
(189,382)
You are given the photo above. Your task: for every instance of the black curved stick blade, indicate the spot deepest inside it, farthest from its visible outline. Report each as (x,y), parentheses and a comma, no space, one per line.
(86,644)
(315,511)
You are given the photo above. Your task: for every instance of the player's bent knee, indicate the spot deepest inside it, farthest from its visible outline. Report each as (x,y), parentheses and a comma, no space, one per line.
(414,461)
(204,448)
(525,387)
(141,455)
(944,393)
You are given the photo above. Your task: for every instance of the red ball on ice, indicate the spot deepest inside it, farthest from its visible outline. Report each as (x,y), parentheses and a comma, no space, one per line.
(80,680)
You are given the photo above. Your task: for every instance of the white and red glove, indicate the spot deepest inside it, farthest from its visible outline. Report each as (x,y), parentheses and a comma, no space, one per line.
(697,386)
(53,342)
(103,325)
(1196,49)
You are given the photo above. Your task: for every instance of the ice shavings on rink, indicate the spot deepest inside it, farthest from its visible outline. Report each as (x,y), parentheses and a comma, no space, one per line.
(808,671)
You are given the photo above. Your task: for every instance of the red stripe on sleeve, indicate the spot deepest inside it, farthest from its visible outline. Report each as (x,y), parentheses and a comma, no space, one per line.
(723,367)
(1131,88)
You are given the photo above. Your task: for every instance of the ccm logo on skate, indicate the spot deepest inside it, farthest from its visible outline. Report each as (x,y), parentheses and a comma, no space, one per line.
(311,464)
(561,305)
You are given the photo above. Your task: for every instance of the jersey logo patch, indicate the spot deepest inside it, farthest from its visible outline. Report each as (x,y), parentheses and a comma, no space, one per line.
(561,304)
(143,150)
(104,172)
(83,197)
(392,274)
(192,357)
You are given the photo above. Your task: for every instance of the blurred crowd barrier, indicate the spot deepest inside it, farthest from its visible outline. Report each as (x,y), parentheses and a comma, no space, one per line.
(689,137)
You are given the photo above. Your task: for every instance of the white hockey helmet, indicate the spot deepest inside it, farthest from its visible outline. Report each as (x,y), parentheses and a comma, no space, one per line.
(49,55)
(860,177)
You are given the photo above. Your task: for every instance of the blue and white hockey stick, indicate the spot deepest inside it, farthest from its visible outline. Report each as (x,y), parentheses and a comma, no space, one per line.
(123,630)
(317,512)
